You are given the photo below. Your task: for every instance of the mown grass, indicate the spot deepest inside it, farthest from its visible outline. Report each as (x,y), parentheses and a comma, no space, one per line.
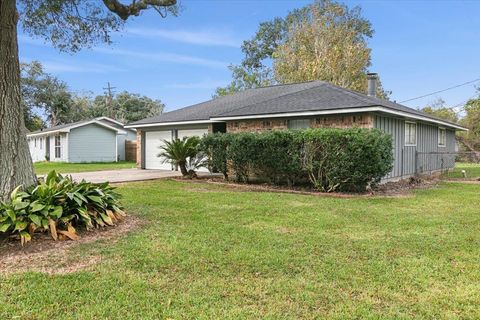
(208,252)
(65,167)
(472,170)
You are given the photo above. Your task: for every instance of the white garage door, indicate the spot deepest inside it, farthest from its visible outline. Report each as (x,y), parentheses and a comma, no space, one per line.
(153,142)
(192,133)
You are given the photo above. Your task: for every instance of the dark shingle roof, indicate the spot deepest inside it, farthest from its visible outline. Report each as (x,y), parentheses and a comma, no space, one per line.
(289,98)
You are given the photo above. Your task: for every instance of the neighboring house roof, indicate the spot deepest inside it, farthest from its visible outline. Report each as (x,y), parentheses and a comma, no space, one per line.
(114,123)
(69,126)
(289,100)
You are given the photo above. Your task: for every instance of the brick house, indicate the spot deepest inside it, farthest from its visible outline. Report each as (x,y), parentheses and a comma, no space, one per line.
(422,143)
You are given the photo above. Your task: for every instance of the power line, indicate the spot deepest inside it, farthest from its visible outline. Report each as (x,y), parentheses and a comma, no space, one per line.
(443,90)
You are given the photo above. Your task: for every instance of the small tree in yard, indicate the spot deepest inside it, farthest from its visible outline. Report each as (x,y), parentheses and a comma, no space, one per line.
(184,154)
(69,25)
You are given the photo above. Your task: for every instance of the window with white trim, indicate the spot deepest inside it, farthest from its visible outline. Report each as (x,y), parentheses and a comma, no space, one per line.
(410,134)
(58,147)
(442,137)
(41,143)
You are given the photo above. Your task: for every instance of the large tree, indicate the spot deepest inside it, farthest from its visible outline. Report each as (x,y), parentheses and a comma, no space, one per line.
(438,109)
(46,92)
(325,40)
(471,120)
(69,25)
(126,107)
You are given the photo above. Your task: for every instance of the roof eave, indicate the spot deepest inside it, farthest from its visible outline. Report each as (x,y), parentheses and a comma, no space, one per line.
(342,111)
(171,123)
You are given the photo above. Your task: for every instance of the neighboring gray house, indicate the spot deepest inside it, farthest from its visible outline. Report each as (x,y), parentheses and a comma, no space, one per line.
(422,143)
(97,140)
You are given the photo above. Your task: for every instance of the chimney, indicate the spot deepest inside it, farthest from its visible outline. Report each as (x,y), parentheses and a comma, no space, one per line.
(372,84)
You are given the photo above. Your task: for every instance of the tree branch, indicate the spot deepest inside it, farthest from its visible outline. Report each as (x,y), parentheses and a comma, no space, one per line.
(134,9)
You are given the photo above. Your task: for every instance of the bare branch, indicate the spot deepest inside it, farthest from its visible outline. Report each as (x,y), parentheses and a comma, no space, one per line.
(134,9)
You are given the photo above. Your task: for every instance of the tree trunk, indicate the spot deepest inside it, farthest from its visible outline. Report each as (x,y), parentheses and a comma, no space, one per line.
(15,162)
(183,168)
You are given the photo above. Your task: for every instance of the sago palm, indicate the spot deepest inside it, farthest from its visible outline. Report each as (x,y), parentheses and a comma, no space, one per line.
(182,153)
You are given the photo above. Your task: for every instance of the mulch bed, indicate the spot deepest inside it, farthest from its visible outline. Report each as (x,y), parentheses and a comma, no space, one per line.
(399,188)
(43,254)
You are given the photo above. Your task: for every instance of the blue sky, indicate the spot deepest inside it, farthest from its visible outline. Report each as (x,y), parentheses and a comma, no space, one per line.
(418,47)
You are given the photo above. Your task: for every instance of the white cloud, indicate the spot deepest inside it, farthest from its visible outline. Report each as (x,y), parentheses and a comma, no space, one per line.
(76,67)
(205,37)
(164,57)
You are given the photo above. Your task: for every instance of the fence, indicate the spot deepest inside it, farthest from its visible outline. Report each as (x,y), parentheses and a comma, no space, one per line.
(131,151)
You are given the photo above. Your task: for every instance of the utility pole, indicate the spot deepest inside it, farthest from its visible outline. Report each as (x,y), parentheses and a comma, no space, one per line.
(108,98)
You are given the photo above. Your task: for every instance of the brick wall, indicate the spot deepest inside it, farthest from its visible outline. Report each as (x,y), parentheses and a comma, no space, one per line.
(257,125)
(360,120)
(330,121)
(139,148)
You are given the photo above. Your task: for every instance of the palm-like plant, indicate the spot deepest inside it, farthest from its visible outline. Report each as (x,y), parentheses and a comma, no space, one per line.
(184,153)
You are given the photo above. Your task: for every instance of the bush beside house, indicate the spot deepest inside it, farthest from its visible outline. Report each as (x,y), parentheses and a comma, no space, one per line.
(59,205)
(347,160)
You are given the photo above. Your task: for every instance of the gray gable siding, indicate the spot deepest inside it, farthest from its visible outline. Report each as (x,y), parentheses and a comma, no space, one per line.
(92,143)
(426,156)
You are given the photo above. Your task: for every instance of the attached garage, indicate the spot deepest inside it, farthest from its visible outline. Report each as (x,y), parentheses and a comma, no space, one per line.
(153,142)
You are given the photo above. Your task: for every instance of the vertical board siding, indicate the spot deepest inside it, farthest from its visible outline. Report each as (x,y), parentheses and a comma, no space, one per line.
(395,127)
(426,156)
(92,143)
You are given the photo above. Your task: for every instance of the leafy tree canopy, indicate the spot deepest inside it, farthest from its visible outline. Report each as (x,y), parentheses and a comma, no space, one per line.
(70,25)
(45,93)
(325,40)
(438,109)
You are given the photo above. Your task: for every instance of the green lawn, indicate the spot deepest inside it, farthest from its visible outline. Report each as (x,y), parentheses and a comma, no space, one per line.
(209,252)
(472,170)
(64,167)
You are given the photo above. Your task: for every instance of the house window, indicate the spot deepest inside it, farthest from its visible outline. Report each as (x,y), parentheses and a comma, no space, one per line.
(442,137)
(410,134)
(58,147)
(35,142)
(296,124)
(266,124)
(41,143)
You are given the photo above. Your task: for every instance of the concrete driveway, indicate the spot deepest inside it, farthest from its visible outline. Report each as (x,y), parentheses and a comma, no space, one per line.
(123,175)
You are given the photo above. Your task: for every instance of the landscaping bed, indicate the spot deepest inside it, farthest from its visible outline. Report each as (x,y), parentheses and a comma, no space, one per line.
(54,257)
(396,188)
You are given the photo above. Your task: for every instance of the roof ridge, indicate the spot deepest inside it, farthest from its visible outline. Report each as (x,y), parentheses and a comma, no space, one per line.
(249,89)
(321,83)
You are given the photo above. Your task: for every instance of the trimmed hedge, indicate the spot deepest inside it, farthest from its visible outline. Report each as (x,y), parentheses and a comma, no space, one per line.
(328,159)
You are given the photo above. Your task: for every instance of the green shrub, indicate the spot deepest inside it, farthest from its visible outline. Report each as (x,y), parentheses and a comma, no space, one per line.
(329,159)
(277,157)
(59,205)
(215,146)
(346,159)
(242,152)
